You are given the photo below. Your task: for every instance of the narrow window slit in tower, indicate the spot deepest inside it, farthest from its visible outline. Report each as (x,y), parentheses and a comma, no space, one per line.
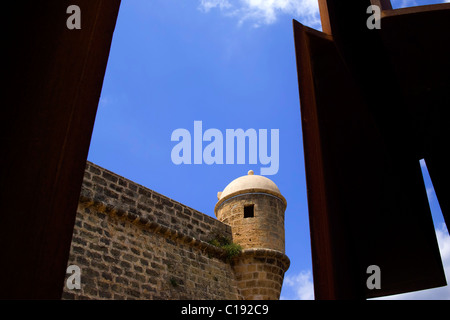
(249,211)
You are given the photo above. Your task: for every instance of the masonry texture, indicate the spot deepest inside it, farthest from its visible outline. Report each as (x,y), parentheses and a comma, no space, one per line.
(133,243)
(261,266)
(264,230)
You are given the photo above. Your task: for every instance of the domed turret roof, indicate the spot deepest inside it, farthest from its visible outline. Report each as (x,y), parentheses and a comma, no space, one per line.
(248,184)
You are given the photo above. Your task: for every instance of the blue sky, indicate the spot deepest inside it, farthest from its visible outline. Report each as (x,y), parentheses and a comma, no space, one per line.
(229,64)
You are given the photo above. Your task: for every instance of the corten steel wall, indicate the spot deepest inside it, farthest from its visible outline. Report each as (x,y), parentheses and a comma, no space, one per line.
(133,243)
(53,78)
(374,102)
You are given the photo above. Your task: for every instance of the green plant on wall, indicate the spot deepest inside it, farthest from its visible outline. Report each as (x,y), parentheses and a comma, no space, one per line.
(173,282)
(231,249)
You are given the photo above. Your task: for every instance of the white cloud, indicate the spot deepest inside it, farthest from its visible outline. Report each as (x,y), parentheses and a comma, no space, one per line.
(301,286)
(408,3)
(411,3)
(206,5)
(266,11)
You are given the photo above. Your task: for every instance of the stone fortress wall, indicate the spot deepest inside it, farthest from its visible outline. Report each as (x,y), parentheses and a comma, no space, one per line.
(133,243)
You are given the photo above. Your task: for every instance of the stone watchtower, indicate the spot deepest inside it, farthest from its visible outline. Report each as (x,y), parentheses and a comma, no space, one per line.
(254,208)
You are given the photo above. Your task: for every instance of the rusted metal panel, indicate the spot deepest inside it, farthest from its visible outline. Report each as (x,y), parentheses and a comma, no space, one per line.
(367,201)
(55,77)
(417,42)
